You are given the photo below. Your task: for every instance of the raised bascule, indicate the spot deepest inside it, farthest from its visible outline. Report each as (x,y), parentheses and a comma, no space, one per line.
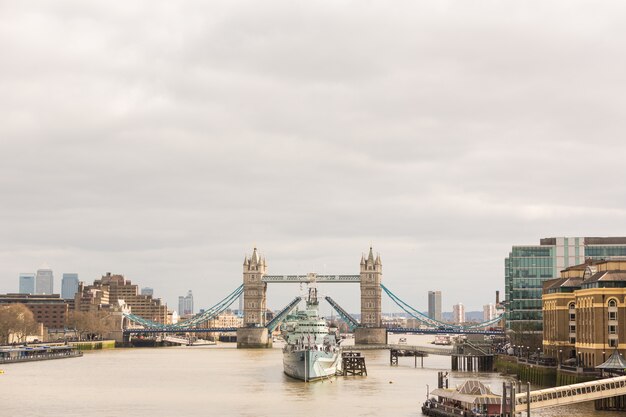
(255,332)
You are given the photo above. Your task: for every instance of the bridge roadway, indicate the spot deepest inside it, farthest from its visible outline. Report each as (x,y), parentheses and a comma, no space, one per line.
(446,331)
(429,350)
(571,394)
(311,277)
(182,330)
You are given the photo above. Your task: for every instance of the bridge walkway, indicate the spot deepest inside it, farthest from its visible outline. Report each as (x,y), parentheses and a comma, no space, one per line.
(428,350)
(571,394)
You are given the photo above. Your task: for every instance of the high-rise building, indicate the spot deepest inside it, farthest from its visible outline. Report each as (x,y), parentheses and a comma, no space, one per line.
(69,285)
(147,291)
(44,281)
(434,305)
(185,304)
(27,283)
(527,267)
(489,312)
(458,313)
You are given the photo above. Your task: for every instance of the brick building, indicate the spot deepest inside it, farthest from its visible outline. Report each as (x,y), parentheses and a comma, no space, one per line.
(50,310)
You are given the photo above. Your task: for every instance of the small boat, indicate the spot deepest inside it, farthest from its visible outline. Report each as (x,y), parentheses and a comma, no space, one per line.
(311,351)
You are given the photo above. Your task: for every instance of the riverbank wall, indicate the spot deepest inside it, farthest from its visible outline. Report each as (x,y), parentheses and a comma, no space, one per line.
(93,345)
(536,374)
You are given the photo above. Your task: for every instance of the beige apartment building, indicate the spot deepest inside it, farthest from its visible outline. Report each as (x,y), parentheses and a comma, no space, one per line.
(582,312)
(112,289)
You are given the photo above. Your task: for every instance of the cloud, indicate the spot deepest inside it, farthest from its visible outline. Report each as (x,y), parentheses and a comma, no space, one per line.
(163,141)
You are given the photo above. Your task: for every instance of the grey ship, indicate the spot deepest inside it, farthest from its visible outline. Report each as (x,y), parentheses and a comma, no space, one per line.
(311,351)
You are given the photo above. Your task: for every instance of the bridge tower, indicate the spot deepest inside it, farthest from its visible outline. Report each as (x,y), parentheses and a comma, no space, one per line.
(371,273)
(254,334)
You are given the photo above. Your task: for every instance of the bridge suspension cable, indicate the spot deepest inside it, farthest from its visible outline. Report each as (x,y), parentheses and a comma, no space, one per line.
(209,314)
(432,322)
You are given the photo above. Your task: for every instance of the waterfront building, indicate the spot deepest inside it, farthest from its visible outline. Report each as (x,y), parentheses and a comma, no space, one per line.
(147,291)
(48,309)
(528,266)
(458,313)
(44,281)
(434,305)
(27,283)
(185,304)
(489,312)
(584,313)
(112,290)
(69,285)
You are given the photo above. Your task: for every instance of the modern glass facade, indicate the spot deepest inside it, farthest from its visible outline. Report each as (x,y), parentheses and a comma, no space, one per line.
(527,267)
(27,283)
(525,270)
(69,285)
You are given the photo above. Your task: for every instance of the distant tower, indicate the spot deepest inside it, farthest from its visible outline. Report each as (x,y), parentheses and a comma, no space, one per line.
(69,286)
(371,277)
(458,313)
(254,290)
(147,291)
(434,305)
(27,283)
(44,281)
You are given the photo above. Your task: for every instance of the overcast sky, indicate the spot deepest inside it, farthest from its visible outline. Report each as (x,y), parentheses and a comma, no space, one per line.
(163,140)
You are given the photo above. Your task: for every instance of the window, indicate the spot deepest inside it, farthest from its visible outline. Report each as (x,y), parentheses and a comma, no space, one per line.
(612,315)
(572,340)
(612,329)
(612,342)
(612,302)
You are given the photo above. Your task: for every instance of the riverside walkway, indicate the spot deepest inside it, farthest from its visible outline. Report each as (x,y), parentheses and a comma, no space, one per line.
(427,350)
(571,394)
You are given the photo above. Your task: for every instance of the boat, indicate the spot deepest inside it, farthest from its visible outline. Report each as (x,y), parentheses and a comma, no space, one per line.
(311,350)
(442,340)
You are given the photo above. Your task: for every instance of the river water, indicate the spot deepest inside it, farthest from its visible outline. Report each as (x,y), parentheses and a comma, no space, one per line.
(224,381)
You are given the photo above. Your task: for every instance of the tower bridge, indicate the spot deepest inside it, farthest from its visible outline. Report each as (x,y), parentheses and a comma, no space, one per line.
(256,330)
(255,280)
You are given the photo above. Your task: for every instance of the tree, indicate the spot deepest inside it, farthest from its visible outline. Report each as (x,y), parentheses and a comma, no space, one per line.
(92,324)
(16,320)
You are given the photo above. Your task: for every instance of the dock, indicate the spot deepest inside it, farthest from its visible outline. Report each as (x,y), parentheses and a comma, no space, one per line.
(353,364)
(37,353)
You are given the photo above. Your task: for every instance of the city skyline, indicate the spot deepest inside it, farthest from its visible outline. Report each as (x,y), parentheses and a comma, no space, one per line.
(441,135)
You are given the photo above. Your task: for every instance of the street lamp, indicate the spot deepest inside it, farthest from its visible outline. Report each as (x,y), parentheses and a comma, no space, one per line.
(603,356)
(560,352)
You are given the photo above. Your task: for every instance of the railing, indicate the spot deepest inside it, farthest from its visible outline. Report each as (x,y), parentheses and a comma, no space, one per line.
(570,394)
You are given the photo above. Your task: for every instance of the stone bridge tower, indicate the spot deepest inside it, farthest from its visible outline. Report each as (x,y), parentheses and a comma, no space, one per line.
(371,330)
(254,334)
(254,290)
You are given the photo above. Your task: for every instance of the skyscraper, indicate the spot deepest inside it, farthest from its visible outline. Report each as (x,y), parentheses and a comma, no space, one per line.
(434,305)
(489,312)
(69,285)
(44,280)
(458,313)
(185,304)
(27,283)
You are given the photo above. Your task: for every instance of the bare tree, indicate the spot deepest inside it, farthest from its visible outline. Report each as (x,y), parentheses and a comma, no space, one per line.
(16,320)
(92,324)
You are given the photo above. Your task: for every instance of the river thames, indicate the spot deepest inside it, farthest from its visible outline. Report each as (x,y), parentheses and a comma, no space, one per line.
(224,381)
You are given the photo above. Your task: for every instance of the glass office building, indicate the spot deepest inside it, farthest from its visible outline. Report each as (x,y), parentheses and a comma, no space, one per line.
(527,267)
(69,285)
(27,283)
